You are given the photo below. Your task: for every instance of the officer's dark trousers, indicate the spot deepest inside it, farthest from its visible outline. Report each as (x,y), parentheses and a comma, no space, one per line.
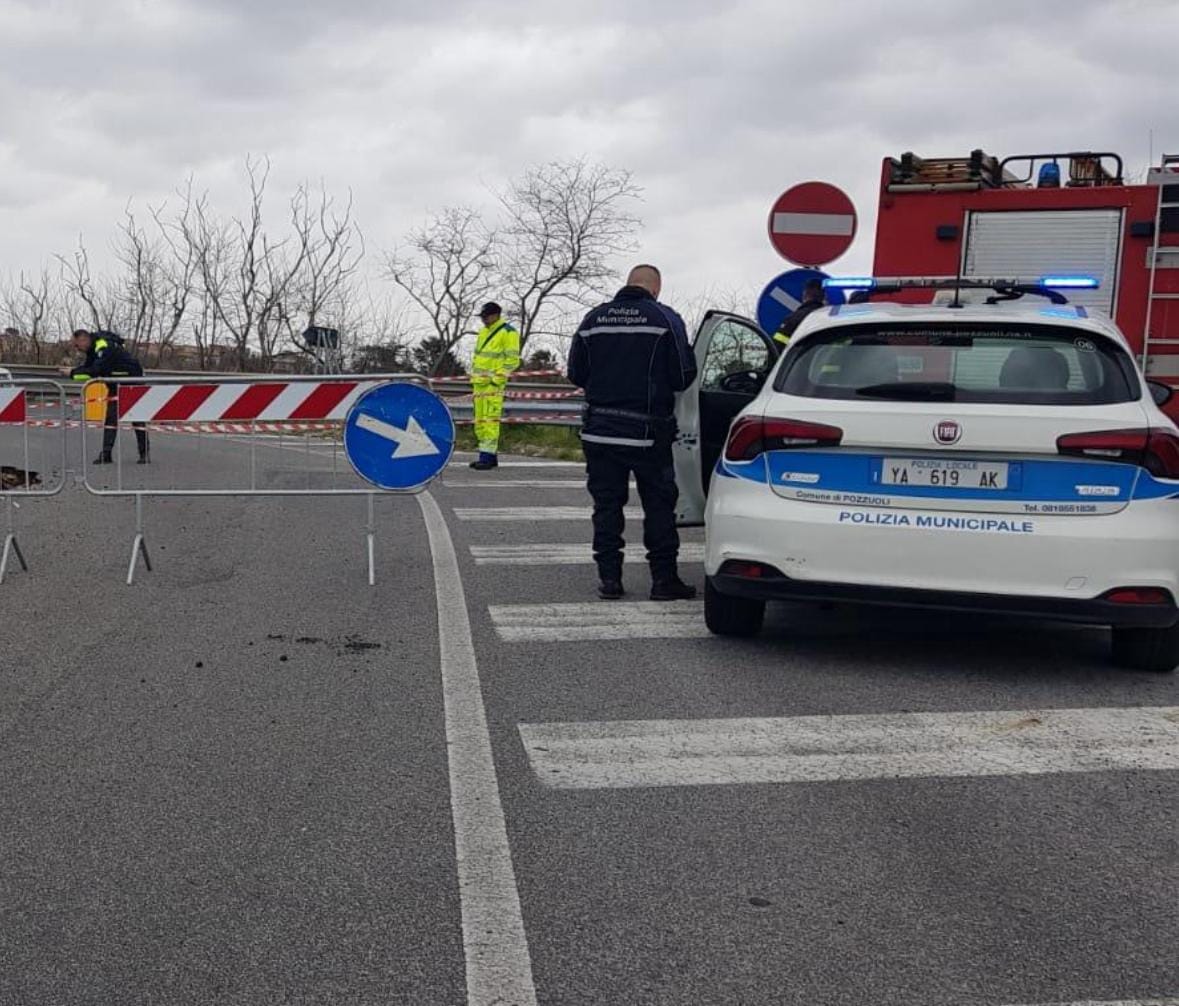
(110,428)
(608,469)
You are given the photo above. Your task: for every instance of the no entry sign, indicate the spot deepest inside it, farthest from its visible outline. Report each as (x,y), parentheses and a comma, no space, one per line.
(812,224)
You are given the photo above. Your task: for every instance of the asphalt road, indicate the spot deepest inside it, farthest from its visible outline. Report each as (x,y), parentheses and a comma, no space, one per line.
(252,778)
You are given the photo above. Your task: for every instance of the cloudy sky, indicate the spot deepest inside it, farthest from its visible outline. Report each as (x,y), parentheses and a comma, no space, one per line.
(715,106)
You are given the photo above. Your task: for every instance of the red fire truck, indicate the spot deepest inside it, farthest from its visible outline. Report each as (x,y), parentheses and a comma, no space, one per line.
(1040,214)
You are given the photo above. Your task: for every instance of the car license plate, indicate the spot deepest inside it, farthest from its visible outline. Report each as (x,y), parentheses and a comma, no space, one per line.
(943,473)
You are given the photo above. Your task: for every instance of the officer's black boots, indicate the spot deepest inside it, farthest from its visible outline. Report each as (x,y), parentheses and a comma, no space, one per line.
(672,589)
(611,590)
(104,458)
(485,462)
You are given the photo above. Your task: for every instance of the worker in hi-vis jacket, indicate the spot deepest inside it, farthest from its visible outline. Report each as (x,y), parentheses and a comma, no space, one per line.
(497,354)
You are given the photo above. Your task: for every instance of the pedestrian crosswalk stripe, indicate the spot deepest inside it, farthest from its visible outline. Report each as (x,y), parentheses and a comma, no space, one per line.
(514,483)
(802,749)
(1170,1001)
(558,623)
(533,513)
(558,554)
(526,464)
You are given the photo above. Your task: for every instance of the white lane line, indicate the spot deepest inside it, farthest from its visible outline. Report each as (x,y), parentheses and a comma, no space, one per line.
(558,623)
(499,966)
(514,483)
(533,513)
(527,464)
(557,554)
(1172,1001)
(848,748)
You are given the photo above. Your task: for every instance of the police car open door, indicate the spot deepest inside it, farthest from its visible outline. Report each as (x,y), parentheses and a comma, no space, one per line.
(734,357)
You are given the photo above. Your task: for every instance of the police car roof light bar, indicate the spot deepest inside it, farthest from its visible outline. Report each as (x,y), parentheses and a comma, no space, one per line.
(863,288)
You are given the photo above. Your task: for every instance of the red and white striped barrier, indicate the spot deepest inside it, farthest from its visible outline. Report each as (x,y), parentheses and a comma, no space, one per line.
(271,401)
(516,396)
(514,376)
(191,428)
(13,405)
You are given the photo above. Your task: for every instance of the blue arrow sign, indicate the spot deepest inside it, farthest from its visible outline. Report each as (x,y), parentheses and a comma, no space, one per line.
(784,293)
(398,436)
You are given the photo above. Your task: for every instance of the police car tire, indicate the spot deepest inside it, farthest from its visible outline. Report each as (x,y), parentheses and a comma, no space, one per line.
(731,616)
(1154,650)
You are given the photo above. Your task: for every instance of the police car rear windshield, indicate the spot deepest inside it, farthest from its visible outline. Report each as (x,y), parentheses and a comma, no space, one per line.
(1003,363)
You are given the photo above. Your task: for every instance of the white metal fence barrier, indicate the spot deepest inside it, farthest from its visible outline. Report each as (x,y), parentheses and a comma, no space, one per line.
(291,429)
(33,422)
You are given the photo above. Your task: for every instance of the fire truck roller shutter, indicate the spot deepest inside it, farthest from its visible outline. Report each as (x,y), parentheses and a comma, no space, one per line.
(1043,242)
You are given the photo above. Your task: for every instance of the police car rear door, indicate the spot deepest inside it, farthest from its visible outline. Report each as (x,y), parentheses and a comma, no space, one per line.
(734,357)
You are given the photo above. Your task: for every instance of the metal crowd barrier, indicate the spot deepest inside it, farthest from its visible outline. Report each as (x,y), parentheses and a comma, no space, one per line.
(287,414)
(33,416)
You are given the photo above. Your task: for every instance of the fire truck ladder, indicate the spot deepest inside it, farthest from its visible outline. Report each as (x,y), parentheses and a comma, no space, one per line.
(1166,218)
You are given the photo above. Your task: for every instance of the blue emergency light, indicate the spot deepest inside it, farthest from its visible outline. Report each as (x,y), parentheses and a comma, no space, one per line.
(1069,282)
(850,283)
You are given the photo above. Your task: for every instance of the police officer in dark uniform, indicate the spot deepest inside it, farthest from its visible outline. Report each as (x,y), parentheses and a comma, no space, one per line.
(813,298)
(631,355)
(106,356)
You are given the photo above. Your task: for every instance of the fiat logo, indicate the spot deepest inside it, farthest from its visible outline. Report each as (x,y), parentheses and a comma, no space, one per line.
(947,432)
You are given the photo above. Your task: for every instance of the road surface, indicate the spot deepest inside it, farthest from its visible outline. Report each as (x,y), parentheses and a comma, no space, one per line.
(252,778)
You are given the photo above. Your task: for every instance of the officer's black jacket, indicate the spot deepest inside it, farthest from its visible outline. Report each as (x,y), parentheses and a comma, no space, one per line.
(107,357)
(796,318)
(631,355)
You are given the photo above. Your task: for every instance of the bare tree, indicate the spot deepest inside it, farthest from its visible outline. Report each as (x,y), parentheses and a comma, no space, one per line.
(715,298)
(138,288)
(332,249)
(94,299)
(245,274)
(564,225)
(177,274)
(29,304)
(446,267)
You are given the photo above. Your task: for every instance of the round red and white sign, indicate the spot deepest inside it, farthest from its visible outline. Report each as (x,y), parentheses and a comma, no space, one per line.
(812,224)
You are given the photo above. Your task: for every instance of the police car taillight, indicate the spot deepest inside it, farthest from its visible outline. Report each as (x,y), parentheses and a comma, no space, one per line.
(1155,450)
(752,436)
(1138,595)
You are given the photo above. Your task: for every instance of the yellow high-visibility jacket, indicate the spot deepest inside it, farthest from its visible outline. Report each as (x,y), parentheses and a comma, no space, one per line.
(497,353)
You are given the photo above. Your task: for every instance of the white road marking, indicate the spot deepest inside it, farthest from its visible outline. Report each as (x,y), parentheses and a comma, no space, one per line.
(558,623)
(514,484)
(533,513)
(558,554)
(499,966)
(528,464)
(1172,1001)
(848,748)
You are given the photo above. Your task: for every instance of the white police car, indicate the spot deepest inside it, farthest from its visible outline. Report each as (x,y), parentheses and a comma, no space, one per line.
(1004,456)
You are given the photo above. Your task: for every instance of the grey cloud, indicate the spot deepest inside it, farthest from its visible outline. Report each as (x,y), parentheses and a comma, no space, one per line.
(414,105)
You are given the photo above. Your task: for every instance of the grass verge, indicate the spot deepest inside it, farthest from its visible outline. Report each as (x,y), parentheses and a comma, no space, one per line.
(560,443)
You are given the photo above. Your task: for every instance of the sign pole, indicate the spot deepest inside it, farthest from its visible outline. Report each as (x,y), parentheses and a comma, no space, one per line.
(372,566)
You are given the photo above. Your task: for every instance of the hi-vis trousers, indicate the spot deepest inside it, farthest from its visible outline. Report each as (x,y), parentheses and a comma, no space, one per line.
(489,409)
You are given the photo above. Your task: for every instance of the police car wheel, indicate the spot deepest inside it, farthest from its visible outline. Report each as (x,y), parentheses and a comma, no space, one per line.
(731,616)
(1154,650)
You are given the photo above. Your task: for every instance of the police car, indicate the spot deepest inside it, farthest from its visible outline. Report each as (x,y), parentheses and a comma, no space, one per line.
(1003,455)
